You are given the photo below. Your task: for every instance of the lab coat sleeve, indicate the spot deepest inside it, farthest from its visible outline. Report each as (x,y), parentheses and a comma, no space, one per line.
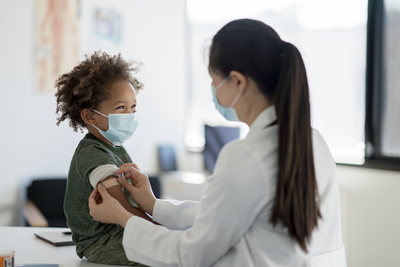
(232,201)
(175,214)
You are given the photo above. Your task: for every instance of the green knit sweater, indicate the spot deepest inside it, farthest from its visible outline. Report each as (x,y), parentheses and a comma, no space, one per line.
(90,154)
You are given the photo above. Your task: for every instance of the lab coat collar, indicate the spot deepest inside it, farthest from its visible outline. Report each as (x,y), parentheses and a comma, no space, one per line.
(264,119)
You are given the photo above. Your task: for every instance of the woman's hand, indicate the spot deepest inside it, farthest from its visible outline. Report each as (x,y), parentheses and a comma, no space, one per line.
(109,210)
(140,189)
(130,165)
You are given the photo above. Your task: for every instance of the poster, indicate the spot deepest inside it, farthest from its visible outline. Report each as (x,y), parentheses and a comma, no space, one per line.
(106,29)
(56,41)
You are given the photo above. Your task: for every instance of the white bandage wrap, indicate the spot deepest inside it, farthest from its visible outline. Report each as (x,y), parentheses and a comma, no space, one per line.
(102,172)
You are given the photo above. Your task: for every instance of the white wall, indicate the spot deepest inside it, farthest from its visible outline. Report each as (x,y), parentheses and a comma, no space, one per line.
(370,216)
(31,143)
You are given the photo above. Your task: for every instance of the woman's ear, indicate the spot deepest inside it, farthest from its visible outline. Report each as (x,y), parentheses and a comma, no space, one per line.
(87,116)
(239,79)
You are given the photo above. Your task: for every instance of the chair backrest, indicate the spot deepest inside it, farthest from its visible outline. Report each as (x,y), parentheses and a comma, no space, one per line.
(48,196)
(216,137)
(167,158)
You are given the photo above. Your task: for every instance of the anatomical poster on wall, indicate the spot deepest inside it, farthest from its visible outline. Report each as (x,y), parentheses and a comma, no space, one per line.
(56,41)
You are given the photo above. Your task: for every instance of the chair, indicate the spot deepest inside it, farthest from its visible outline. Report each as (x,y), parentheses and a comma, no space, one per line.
(167,158)
(44,206)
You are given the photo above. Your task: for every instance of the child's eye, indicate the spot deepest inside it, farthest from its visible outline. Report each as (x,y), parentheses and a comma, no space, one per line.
(120,107)
(133,106)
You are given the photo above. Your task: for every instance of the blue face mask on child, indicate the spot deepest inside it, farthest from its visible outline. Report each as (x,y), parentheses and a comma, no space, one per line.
(229,113)
(120,127)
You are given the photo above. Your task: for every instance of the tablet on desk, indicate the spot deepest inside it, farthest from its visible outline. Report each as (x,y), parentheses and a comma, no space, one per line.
(57,239)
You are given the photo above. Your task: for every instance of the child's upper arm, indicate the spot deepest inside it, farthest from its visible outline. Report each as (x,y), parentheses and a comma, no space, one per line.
(115,190)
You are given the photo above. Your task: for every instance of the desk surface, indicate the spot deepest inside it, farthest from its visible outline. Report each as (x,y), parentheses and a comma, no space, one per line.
(30,249)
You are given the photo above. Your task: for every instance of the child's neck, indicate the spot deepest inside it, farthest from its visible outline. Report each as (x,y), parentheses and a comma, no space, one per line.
(96,133)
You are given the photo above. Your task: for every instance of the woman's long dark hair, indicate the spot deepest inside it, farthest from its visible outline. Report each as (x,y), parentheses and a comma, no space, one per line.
(256,50)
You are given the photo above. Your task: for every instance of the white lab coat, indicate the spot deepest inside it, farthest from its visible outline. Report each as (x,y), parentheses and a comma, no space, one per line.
(230,226)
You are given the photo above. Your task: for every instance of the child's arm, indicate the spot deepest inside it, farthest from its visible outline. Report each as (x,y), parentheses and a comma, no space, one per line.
(116,192)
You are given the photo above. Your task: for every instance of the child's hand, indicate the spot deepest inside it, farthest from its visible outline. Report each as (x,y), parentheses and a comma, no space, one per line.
(140,189)
(109,210)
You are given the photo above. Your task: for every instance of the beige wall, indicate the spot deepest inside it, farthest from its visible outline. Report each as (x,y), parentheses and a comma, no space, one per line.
(370,216)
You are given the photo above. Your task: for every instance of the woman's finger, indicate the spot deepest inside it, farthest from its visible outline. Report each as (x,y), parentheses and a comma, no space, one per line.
(128,186)
(109,210)
(98,199)
(127,175)
(134,165)
(94,193)
(133,171)
(103,191)
(92,198)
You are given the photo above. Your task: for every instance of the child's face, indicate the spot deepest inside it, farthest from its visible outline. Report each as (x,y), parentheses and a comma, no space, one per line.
(122,99)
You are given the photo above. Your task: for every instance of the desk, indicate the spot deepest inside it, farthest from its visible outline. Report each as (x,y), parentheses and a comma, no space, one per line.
(30,249)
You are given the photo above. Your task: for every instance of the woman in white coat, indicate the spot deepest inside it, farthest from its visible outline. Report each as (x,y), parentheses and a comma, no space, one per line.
(273,199)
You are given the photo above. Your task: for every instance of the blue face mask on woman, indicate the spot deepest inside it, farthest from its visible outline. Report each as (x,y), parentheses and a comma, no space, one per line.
(229,113)
(120,127)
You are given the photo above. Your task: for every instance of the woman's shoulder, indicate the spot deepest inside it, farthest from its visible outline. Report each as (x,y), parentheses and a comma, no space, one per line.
(325,166)
(321,150)
(234,150)
(255,153)
(255,145)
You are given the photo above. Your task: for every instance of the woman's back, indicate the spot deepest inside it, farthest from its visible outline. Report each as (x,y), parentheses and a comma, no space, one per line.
(263,243)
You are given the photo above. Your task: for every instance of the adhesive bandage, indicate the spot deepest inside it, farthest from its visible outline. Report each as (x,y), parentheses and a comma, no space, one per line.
(110,183)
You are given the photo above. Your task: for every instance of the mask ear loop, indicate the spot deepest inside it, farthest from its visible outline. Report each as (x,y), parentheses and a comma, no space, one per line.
(236,99)
(97,127)
(222,83)
(99,113)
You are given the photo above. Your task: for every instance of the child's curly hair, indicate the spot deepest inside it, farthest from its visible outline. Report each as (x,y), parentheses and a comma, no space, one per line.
(88,84)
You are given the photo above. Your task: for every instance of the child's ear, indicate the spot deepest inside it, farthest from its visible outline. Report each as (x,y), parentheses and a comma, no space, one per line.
(87,116)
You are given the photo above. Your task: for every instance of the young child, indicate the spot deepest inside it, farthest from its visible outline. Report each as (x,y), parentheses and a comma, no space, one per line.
(100,95)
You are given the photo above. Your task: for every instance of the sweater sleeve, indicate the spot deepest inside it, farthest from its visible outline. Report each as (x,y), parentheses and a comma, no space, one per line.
(92,157)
